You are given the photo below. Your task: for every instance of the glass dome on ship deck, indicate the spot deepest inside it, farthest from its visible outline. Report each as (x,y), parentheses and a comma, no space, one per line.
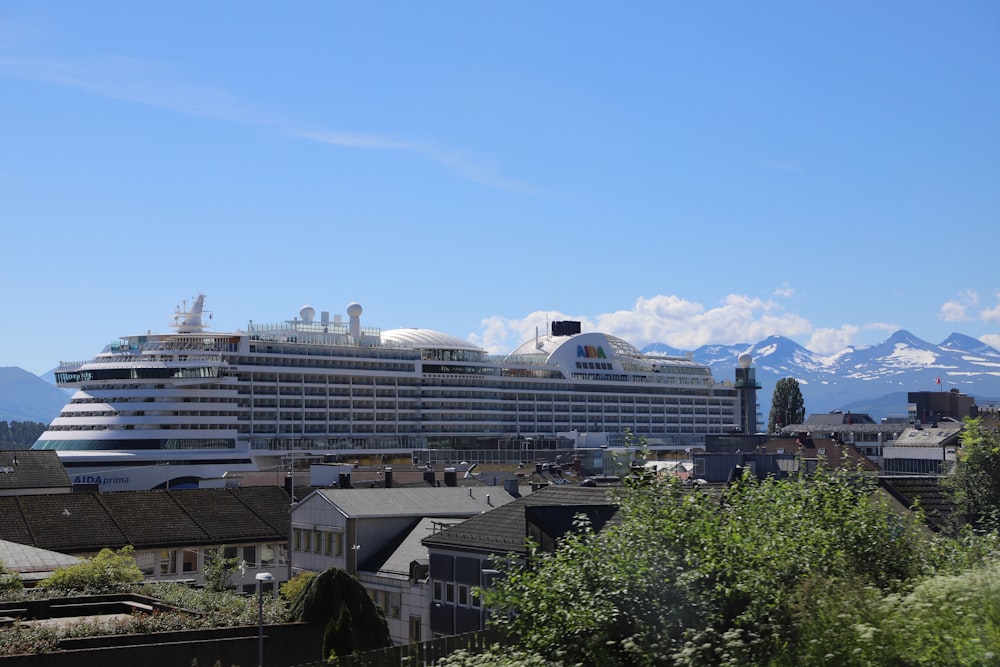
(547,344)
(428,338)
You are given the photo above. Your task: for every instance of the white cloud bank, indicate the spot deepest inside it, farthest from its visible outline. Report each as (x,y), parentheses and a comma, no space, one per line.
(677,322)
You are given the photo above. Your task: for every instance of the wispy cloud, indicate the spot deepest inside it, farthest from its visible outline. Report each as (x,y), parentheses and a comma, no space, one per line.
(133,80)
(156,84)
(457,161)
(783,291)
(965,307)
(993,340)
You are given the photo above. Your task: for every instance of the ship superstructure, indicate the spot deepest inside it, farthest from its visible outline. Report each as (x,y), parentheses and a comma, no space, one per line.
(166,410)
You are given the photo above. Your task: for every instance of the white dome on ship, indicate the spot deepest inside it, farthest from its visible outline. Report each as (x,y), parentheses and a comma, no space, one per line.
(428,338)
(547,344)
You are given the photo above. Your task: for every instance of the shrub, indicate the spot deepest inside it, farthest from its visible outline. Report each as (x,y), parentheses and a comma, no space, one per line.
(105,571)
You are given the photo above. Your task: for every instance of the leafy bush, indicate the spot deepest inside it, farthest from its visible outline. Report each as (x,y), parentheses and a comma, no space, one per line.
(690,578)
(104,572)
(291,588)
(9,581)
(214,609)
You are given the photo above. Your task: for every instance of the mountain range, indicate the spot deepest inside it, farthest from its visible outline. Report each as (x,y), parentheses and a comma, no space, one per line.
(872,379)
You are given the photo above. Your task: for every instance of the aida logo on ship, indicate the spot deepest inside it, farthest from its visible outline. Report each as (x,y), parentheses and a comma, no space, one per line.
(97,479)
(590,352)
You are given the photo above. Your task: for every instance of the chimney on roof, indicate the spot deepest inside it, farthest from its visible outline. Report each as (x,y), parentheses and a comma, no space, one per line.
(429,476)
(450,477)
(344,480)
(388,477)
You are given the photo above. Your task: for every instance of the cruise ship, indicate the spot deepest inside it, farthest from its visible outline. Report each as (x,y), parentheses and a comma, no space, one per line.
(175,409)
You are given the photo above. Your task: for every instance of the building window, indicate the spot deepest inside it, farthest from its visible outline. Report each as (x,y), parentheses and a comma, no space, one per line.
(449,591)
(328,551)
(250,555)
(415,628)
(307,540)
(395,602)
(298,539)
(318,542)
(474,599)
(190,563)
(338,543)
(463,595)
(168,561)
(438,586)
(267,555)
(146,562)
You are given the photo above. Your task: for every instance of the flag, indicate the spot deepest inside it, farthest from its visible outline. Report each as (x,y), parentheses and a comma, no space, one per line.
(937,381)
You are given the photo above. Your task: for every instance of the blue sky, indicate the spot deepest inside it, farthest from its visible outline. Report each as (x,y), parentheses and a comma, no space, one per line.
(675,172)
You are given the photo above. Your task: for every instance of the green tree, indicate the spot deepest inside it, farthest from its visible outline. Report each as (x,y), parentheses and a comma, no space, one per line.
(685,577)
(219,568)
(105,571)
(974,486)
(787,406)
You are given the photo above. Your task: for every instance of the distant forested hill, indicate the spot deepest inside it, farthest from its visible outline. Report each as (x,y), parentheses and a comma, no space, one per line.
(19,435)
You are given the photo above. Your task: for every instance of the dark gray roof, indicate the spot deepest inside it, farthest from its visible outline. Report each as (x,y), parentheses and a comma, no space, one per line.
(397,562)
(28,469)
(926,490)
(838,418)
(503,530)
(87,522)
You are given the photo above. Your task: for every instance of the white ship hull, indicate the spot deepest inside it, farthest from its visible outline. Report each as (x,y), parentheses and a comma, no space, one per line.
(161,410)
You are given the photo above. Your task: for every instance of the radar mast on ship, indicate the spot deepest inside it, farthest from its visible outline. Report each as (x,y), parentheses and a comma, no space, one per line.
(189,321)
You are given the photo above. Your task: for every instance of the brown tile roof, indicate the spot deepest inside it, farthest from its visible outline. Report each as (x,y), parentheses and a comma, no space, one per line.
(87,522)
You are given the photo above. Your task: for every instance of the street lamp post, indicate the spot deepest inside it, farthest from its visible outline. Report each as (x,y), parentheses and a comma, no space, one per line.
(262,578)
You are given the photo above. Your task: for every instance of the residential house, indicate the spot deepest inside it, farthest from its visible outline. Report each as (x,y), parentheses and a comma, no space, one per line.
(923,450)
(365,531)
(170,531)
(461,557)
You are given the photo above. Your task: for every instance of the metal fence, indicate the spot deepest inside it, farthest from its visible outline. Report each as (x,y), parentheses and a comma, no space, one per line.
(424,654)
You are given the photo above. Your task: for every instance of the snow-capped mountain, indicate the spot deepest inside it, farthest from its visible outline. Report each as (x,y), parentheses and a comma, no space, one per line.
(855,375)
